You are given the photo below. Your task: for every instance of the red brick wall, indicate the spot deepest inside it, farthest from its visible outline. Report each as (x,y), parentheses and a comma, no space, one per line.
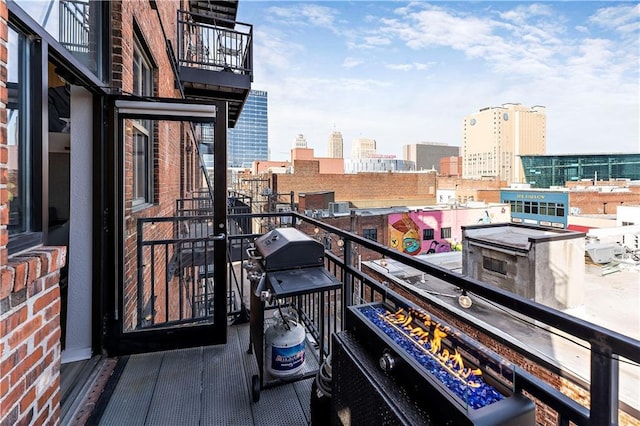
(29,306)
(311,201)
(591,202)
(169,153)
(30,337)
(451,166)
(362,189)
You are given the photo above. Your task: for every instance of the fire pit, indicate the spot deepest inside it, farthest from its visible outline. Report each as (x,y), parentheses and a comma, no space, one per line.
(448,377)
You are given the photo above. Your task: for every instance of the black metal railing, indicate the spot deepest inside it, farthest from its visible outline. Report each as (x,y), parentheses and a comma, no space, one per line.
(174,267)
(75,25)
(214,44)
(606,347)
(176,251)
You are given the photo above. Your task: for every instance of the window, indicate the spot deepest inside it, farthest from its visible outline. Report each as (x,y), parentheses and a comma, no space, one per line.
(370,234)
(494,265)
(543,208)
(427,234)
(24,179)
(560,209)
(445,233)
(142,132)
(77,25)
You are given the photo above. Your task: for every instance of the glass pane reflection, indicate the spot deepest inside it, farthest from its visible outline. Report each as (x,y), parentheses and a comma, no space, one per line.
(74,23)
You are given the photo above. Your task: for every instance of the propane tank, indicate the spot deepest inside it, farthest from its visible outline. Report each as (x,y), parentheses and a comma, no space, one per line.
(284,345)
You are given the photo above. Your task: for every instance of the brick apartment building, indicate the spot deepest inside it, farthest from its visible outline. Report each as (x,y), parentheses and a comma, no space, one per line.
(99,133)
(361,189)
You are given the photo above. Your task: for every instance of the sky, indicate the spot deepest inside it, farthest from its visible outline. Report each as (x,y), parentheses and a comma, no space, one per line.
(408,72)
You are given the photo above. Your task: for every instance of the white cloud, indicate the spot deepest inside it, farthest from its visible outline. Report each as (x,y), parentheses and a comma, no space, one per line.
(377,41)
(408,67)
(351,62)
(305,14)
(622,18)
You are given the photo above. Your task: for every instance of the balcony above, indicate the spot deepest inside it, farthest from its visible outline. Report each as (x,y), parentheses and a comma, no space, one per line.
(215,59)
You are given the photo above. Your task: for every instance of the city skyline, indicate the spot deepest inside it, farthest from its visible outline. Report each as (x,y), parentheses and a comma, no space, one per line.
(403,73)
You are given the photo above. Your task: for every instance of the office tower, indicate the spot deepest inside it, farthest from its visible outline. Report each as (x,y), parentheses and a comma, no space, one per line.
(495,137)
(363,148)
(427,155)
(335,145)
(248,140)
(300,141)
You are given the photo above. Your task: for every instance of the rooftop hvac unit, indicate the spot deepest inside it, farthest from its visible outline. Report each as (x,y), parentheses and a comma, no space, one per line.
(339,208)
(603,253)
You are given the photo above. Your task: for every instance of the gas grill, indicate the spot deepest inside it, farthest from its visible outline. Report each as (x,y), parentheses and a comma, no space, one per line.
(398,364)
(285,265)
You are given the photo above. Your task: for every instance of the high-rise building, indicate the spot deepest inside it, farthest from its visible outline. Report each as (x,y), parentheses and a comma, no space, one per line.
(300,141)
(335,145)
(427,155)
(248,140)
(363,148)
(494,137)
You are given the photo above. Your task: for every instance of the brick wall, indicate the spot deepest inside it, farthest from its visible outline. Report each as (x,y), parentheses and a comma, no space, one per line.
(591,202)
(29,306)
(170,148)
(362,189)
(30,337)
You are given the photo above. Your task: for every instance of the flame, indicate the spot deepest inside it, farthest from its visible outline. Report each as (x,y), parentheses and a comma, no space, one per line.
(452,362)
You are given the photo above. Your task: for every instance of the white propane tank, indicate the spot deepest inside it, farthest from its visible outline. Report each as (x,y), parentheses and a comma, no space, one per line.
(284,346)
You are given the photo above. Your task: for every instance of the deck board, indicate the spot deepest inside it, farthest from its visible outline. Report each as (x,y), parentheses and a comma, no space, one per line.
(204,386)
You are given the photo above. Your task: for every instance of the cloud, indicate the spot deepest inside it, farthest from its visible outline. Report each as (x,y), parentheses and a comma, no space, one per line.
(623,19)
(274,50)
(377,41)
(408,67)
(351,62)
(305,14)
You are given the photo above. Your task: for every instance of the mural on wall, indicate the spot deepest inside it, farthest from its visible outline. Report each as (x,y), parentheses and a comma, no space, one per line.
(405,235)
(438,231)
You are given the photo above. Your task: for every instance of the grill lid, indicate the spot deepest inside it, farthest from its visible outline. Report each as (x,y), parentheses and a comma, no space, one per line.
(289,248)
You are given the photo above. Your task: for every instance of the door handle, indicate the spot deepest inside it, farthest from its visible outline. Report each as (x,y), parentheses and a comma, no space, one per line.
(221,236)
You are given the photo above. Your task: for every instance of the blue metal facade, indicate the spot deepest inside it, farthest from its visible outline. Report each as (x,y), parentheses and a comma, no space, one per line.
(545,171)
(248,140)
(540,208)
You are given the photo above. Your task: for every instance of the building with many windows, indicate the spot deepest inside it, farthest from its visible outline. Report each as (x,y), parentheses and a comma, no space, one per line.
(545,171)
(249,139)
(494,137)
(427,155)
(363,148)
(300,141)
(377,164)
(103,131)
(335,145)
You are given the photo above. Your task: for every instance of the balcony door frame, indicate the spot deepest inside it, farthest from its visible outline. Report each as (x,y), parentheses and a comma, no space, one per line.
(119,342)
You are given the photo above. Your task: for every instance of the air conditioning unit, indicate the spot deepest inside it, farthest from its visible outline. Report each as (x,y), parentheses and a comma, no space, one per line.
(339,209)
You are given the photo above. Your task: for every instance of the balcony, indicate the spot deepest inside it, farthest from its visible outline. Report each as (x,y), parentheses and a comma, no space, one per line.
(213,384)
(215,59)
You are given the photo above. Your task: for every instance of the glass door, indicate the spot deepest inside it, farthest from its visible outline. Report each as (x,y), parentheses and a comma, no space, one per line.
(170,226)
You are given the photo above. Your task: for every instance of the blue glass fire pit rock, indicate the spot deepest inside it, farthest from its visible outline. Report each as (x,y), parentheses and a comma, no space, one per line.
(477,397)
